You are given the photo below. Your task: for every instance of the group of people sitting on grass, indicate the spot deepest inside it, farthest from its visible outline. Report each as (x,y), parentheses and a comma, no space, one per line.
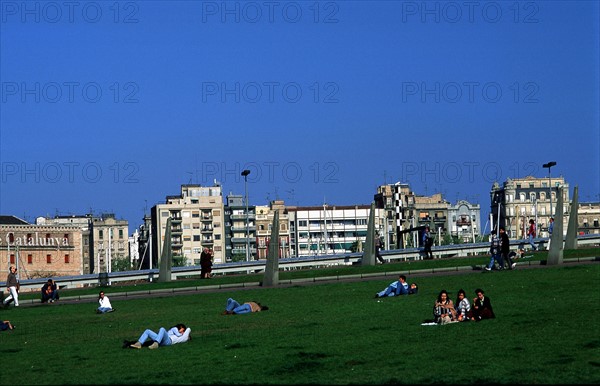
(445,311)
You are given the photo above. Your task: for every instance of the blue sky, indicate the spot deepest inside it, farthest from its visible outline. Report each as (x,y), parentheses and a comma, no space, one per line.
(111,106)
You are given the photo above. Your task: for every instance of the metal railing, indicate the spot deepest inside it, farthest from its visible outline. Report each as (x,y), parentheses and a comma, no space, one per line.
(244,267)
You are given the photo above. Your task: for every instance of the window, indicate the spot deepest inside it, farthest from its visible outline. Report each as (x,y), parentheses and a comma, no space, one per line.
(196,237)
(29,238)
(120,233)
(217,237)
(67,259)
(100,234)
(216,213)
(522,196)
(29,259)
(11,237)
(302,223)
(49,259)
(195,214)
(12,258)
(47,238)
(66,238)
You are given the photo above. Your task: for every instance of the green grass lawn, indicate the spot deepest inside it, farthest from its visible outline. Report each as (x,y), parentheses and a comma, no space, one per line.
(546,332)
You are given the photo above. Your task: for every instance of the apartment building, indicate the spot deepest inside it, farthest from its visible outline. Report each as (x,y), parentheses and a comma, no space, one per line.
(464,221)
(519,200)
(197,221)
(588,216)
(330,229)
(240,229)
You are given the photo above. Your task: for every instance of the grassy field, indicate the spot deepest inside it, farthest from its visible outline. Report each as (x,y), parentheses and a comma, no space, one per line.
(546,332)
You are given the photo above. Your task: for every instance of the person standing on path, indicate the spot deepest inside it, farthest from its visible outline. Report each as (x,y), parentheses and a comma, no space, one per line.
(12,286)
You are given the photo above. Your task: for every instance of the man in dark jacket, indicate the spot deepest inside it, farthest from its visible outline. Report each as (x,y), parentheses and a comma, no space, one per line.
(505,249)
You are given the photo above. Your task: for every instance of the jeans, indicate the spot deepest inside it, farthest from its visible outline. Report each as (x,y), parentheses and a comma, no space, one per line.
(532,243)
(14,295)
(497,257)
(104,309)
(162,337)
(237,308)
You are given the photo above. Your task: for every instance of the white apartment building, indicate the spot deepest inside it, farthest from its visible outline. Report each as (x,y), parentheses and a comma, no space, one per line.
(330,229)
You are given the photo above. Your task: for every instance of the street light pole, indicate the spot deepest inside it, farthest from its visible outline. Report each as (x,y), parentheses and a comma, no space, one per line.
(548,166)
(245,174)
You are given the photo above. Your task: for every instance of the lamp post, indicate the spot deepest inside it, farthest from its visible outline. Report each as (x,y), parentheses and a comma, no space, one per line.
(549,165)
(245,174)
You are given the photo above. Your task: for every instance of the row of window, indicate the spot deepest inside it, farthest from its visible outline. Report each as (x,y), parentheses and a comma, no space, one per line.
(37,260)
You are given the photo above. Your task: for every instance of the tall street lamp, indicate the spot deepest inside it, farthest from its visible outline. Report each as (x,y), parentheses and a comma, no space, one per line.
(245,174)
(548,166)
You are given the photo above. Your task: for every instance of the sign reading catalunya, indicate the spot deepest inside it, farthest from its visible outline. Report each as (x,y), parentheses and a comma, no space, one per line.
(35,241)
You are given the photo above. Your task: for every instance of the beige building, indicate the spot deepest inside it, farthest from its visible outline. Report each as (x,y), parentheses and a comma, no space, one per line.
(264,224)
(104,238)
(40,251)
(197,221)
(519,200)
(589,218)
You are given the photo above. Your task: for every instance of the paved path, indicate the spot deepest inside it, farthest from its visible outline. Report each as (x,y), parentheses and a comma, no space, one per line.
(114,293)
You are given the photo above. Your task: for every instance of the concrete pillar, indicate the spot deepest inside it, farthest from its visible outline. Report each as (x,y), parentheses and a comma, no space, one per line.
(555,254)
(166,257)
(271,276)
(571,240)
(369,253)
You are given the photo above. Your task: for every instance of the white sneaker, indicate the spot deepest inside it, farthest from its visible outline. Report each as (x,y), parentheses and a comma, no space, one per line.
(488,269)
(513,265)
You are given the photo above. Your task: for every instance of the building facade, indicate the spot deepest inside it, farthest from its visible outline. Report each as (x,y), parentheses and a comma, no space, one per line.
(104,237)
(40,251)
(264,224)
(197,221)
(330,229)
(240,229)
(519,200)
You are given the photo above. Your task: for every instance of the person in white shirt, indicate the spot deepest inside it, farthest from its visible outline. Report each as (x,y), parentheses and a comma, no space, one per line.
(463,307)
(105,305)
(176,334)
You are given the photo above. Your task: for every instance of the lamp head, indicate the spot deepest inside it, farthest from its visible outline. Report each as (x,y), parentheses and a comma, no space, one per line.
(245,172)
(549,165)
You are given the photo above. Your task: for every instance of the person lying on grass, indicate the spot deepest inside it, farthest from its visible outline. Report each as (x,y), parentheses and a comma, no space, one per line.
(233,307)
(176,334)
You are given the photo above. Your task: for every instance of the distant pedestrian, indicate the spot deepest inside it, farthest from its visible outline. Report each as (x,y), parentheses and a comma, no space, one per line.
(12,287)
(50,292)
(496,255)
(206,263)
(551,226)
(378,249)
(427,243)
(505,249)
(531,231)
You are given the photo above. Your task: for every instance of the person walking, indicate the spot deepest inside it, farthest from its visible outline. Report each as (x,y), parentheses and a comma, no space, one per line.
(496,255)
(505,249)
(531,233)
(378,248)
(427,243)
(12,286)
